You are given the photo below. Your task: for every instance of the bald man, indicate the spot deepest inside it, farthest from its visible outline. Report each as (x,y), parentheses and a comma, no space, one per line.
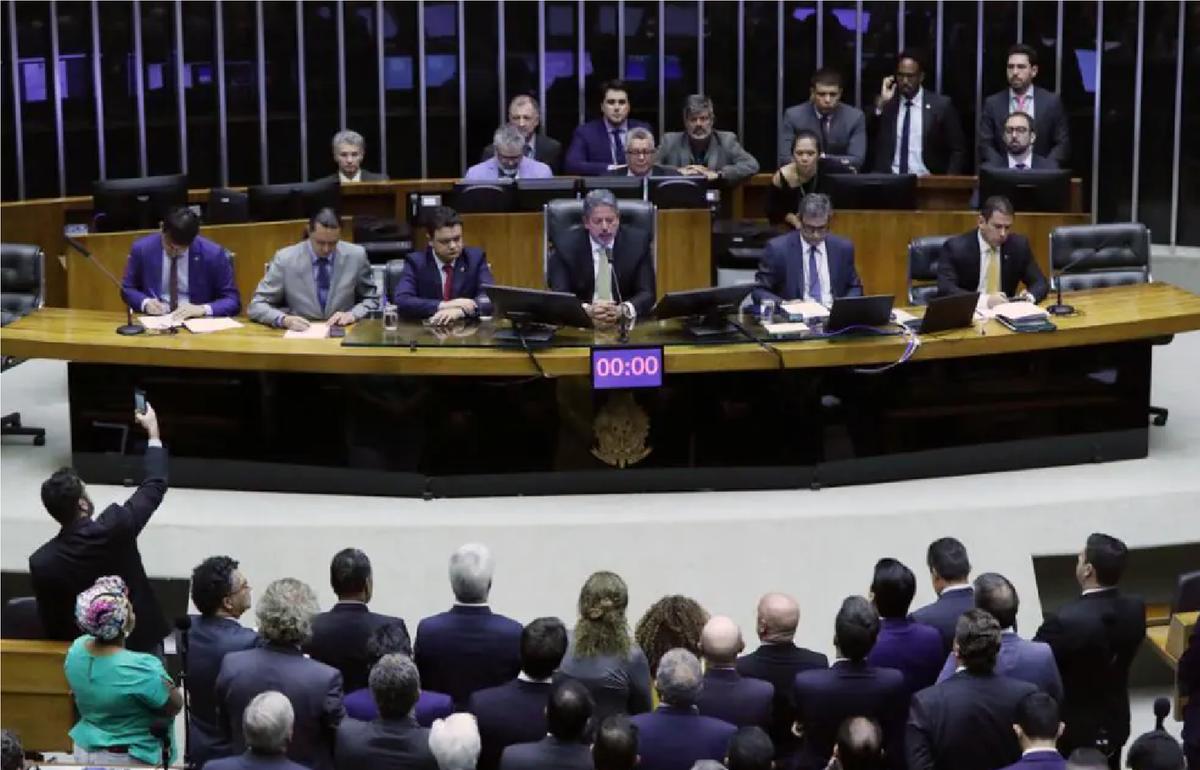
(726,694)
(777,660)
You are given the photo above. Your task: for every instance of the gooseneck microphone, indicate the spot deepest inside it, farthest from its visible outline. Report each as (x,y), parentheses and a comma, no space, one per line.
(1058,308)
(183,625)
(1162,708)
(129,328)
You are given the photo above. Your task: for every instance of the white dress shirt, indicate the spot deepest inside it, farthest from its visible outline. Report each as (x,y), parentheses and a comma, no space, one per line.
(916,164)
(984,247)
(822,273)
(1012,102)
(356,178)
(597,252)
(164,292)
(1027,159)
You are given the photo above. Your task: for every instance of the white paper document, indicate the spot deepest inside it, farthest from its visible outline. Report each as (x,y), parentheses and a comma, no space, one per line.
(313,332)
(786,328)
(806,309)
(902,316)
(158,322)
(206,325)
(1017,311)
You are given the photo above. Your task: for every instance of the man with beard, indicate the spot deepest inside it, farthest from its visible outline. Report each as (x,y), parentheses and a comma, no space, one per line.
(1046,109)
(700,150)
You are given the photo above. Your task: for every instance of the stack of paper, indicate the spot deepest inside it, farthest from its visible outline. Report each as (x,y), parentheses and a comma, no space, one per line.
(785,328)
(206,325)
(158,322)
(809,310)
(1017,311)
(313,332)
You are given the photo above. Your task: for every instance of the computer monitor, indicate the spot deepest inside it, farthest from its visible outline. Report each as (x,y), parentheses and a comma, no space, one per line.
(872,191)
(533,312)
(480,197)
(534,194)
(849,312)
(226,207)
(623,187)
(301,200)
(136,204)
(836,164)
(678,192)
(1029,190)
(704,309)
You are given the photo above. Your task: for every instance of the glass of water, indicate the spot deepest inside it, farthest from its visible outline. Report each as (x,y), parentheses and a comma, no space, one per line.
(391,318)
(766,311)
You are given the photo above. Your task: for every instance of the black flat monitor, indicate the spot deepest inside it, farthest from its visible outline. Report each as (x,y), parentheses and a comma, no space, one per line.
(136,204)
(872,191)
(871,310)
(956,311)
(534,312)
(534,194)
(1029,190)
(704,309)
(678,192)
(277,202)
(484,197)
(836,164)
(623,187)
(226,207)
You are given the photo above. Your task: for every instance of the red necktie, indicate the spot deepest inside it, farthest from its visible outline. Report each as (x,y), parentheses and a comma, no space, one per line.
(173,284)
(448,283)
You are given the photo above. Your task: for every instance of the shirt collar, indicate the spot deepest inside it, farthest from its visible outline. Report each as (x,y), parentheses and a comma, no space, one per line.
(623,126)
(356,178)
(598,245)
(1039,750)
(523,677)
(1027,158)
(470,604)
(312,255)
(960,586)
(1098,590)
(918,98)
(983,248)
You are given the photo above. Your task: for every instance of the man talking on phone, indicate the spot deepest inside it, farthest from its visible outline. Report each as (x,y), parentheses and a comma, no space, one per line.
(88,547)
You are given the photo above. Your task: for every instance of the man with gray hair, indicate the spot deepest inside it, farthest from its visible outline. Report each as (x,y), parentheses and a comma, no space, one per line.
(454,742)
(675,735)
(394,740)
(727,695)
(699,150)
(509,160)
(639,156)
(808,264)
(608,267)
(469,647)
(267,724)
(349,149)
(525,115)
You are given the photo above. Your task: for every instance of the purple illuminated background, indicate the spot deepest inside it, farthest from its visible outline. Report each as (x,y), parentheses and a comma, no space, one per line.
(626,368)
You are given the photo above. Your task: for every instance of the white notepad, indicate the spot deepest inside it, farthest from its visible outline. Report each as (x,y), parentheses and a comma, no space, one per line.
(313,332)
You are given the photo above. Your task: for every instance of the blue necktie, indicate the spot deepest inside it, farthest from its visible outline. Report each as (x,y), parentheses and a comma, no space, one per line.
(322,281)
(618,148)
(904,137)
(812,278)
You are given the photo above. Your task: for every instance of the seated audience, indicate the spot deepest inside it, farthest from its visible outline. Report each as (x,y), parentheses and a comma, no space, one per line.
(616,744)
(222,594)
(750,749)
(118,693)
(675,735)
(1187,677)
(179,271)
(672,621)
(797,178)
(1037,729)
(320,279)
(469,647)
(267,724)
(914,649)
(567,713)
(525,115)
(285,612)
(601,653)
(851,687)
(639,156)
(1094,639)
(1050,119)
(87,548)
(598,146)
(454,742)
(393,741)
(727,695)
(918,130)
(392,639)
(509,160)
(699,150)
(515,712)
(349,151)
(1019,140)
(444,283)
(808,264)
(842,128)
(966,722)
(949,572)
(859,746)
(1156,750)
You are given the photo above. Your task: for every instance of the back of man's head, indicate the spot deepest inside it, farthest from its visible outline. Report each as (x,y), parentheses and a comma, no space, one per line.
(267,723)
(679,679)
(1107,555)
(856,628)
(1155,750)
(860,744)
(568,710)
(454,741)
(391,637)
(616,744)
(395,685)
(543,644)
(1087,758)
(750,749)
(778,616)
(977,641)
(721,641)
(61,493)
(350,573)
(893,588)
(1037,717)
(471,573)
(948,558)
(995,595)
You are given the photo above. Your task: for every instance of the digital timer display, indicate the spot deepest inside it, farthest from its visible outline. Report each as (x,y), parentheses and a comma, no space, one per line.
(627,368)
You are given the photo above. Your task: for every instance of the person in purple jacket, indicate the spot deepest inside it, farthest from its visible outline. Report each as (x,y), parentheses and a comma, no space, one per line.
(180,272)
(392,639)
(914,649)
(598,146)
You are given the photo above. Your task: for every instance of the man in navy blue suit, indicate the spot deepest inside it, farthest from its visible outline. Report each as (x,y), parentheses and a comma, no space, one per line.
(444,283)
(1188,676)
(616,744)
(515,712)
(568,711)
(267,723)
(914,649)
(949,570)
(391,638)
(469,647)
(598,146)
(851,687)
(1037,729)
(675,735)
(726,694)
(808,264)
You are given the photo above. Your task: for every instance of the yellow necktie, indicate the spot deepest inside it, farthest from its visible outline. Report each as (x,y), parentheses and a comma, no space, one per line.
(993,271)
(604,276)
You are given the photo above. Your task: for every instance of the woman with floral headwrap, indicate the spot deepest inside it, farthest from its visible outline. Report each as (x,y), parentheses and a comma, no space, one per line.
(602,654)
(119,693)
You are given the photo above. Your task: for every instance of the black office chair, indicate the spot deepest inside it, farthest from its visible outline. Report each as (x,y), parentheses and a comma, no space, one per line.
(1187,593)
(562,216)
(20,619)
(1097,256)
(391,276)
(923,256)
(226,207)
(21,293)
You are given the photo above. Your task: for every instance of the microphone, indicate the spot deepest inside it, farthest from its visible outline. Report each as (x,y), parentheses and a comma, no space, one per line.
(129,328)
(1058,308)
(1162,707)
(622,321)
(183,624)
(159,729)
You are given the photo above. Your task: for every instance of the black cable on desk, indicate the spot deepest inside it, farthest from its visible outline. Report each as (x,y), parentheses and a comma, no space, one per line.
(769,348)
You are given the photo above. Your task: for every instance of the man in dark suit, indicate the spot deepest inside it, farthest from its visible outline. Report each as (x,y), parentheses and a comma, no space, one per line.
(388,639)
(607,266)
(87,548)
(469,647)
(750,749)
(349,150)
(851,687)
(616,744)
(777,660)
(1156,750)
(914,649)
(1188,678)
(525,115)
(842,128)
(1050,120)
(949,570)
(1094,639)
(1019,138)
(808,264)
(639,157)
(966,722)
(727,695)
(859,745)
(394,741)
(1037,729)
(515,712)
(444,283)
(598,146)
(567,713)
(991,259)
(222,594)
(918,131)
(340,635)
(267,724)
(675,735)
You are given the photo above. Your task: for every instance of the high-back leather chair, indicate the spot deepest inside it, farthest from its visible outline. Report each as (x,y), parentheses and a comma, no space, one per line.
(20,619)
(1187,593)
(391,277)
(22,290)
(923,256)
(562,216)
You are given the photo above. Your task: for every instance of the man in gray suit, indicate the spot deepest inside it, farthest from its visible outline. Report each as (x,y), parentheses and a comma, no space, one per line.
(322,278)
(267,725)
(842,128)
(703,151)
(394,741)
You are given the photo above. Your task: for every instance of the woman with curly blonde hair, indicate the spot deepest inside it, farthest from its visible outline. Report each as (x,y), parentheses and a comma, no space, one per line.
(601,653)
(672,621)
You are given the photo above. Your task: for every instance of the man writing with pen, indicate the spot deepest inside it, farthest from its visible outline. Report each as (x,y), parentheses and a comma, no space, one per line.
(179,272)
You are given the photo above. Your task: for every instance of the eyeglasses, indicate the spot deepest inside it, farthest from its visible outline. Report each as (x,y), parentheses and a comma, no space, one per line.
(805,227)
(639,153)
(1016,130)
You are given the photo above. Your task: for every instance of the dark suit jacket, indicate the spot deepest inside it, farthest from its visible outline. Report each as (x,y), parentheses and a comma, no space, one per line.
(781,273)
(571,270)
(466,649)
(210,275)
(314,689)
(958,268)
(419,290)
(251,761)
(1049,122)
(824,698)
(87,549)
(675,738)
(1188,676)
(740,701)
(655,170)
(965,723)
(1094,639)
(914,649)
(847,131)
(1036,163)
(360,705)
(340,640)
(210,639)
(365,176)
(943,148)
(514,712)
(779,664)
(546,149)
(943,614)
(1040,760)
(590,151)
(384,744)
(1022,659)
(547,754)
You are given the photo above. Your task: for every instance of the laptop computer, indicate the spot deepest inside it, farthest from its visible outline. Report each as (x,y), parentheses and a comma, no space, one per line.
(872,310)
(954,312)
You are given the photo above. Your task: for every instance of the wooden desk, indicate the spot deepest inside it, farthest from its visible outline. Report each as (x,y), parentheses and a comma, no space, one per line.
(36,701)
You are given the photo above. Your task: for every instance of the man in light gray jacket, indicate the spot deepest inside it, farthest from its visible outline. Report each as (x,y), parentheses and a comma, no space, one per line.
(702,151)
